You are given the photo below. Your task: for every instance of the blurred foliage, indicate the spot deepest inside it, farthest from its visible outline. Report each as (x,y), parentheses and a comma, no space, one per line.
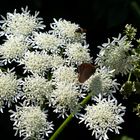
(126,138)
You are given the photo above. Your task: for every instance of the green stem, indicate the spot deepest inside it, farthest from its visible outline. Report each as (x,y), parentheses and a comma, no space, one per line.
(129,76)
(62,126)
(69,118)
(85,100)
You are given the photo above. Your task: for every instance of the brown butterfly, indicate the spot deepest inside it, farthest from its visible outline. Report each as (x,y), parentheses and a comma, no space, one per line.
(85,71)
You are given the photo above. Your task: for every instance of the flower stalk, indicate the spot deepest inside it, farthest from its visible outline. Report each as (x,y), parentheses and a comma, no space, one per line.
(67,121)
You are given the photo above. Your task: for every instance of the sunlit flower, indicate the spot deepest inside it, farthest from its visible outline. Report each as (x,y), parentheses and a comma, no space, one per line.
(67,30)
(104,116)
(13,48)
(115,55)
(36,89)
(46,41)
(21,24)
(65,99)
(36,62)
(77,53)
(31,122)
(10,89)
(101,82)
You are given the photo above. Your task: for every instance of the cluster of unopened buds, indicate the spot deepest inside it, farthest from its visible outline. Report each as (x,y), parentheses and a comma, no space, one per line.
(54,69)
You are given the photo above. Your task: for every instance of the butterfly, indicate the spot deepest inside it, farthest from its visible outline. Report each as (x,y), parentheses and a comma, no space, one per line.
(85,70)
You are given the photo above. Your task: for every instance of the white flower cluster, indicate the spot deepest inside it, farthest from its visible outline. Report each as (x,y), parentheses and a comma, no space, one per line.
(65,98)
(21,24)
(36,89)
(101,82)
(66,95)
(64,74)
(9,88)
(31,122)
(104,116)
(67,31)
(13,48)
(49,77)
(115,55)
(77,53)
(56,61)
(48,42)
(49,62)
(36,62)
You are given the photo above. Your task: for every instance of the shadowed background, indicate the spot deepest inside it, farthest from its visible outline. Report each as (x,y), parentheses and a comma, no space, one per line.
(102,19)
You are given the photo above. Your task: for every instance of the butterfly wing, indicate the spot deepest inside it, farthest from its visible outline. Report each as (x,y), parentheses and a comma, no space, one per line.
(85,71)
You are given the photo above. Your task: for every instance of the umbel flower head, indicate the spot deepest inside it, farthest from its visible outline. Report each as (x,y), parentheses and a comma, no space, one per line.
(46,41)
(67,31)
(31,122)
(36,62)
(56,61)
(65,99)
(104,116)
(21,24)
(115,55)
(9,88)
(13,48)
(36,89)
(64,74)
(101,82)
(77,53)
